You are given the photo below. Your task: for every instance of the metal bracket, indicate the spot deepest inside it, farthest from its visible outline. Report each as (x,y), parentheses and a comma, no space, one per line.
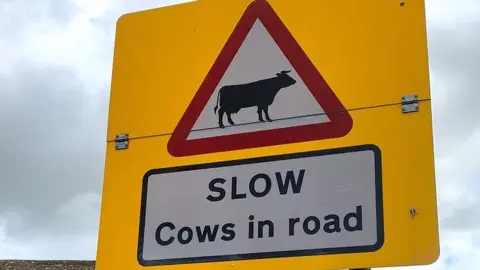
(410,104)
(121,141)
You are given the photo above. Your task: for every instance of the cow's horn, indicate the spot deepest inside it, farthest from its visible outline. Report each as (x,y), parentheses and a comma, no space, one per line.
(285,71)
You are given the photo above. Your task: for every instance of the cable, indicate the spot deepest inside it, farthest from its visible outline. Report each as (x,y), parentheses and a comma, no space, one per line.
(279,119)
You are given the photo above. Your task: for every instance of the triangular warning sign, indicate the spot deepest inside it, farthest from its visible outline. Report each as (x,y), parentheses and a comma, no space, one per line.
(262,90)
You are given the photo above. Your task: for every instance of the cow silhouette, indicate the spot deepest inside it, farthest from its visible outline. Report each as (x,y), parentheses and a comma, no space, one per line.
(260,94)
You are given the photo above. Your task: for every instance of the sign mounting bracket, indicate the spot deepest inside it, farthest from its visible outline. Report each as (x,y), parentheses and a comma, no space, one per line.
(121,141)
(410,104)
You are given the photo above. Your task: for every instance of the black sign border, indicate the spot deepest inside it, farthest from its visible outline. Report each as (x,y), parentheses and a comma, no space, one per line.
(275,254)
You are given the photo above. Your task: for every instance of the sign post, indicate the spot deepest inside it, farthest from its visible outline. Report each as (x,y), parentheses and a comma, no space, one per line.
(270,134)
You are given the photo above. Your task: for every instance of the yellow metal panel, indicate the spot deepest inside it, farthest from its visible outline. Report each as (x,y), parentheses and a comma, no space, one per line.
(370,52)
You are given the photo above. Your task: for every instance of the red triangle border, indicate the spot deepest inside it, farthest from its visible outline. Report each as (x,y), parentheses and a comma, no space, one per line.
(340,120)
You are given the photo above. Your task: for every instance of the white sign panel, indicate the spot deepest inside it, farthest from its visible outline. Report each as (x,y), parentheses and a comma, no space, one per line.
(301,204)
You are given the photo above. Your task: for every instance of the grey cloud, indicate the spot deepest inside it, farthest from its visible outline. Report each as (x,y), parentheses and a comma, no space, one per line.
(77,217)
(465,217)
(455,75)
(455,71)
(16,14)
(61,10)
(476,238)
(464,213)
(53,142)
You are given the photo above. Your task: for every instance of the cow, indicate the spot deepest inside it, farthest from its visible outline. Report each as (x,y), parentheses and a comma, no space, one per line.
(260,94)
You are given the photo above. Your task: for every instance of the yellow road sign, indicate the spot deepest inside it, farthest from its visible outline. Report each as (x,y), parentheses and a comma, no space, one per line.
(270,134)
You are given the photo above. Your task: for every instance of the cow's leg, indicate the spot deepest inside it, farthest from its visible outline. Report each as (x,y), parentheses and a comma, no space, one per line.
(265,109)
(259,111)
(220,117)
(229,117)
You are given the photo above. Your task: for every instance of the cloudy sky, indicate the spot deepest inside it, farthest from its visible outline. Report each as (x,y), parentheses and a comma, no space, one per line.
(55,65)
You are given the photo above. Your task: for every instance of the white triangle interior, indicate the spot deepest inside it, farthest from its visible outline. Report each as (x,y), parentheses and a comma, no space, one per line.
(259,58)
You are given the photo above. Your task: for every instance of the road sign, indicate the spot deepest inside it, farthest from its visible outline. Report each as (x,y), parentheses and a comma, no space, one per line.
(350,132)
(277,206)
(261,70)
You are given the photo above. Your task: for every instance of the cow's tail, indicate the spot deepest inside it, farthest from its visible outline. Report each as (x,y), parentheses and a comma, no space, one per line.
(216,107)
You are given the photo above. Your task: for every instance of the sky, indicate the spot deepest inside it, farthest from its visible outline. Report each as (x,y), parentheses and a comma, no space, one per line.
(55,70)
